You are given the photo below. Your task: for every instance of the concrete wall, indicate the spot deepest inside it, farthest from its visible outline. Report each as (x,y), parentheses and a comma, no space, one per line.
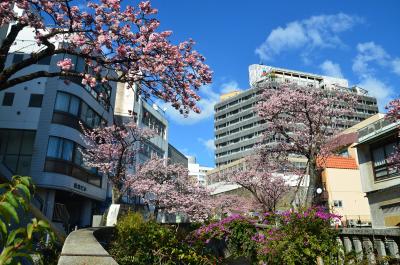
(345,185)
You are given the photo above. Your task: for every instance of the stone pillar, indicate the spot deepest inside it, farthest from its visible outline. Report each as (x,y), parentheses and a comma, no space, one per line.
(369,250)
(380,247)
(392,247)
(347,244)
(358,248)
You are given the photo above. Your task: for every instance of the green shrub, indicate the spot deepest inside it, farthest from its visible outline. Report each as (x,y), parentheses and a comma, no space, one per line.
(15,238)
(146,242)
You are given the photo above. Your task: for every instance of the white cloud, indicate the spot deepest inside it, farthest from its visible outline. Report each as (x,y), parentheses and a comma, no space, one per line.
(229,87)
(330,68)
(369,59)
(315,32)
(369,52)
(209,144)
(396,66)
(206,104)
(378,89)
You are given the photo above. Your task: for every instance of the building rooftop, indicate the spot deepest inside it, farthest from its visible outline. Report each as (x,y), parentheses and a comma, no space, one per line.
(339,162)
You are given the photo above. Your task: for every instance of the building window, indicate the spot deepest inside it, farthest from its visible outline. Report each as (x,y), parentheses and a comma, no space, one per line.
(35,100)
(149,150)
(8,99)
(65,157)
(380,154)
(338,203)
(76,110)
(60,148)
(16,147)
(153,123)
(18,57)
(45,61)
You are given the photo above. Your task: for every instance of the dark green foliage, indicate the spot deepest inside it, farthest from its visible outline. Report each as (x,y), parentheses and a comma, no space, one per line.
(49,252)
(16,239)
(146,242)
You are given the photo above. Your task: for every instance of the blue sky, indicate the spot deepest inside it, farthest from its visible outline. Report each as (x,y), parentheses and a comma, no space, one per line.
(357,40)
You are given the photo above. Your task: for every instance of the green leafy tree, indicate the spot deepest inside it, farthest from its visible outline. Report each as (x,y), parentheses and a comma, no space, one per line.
(16,238)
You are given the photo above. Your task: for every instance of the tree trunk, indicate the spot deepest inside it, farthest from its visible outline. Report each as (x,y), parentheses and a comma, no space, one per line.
(115,196)
(314,181)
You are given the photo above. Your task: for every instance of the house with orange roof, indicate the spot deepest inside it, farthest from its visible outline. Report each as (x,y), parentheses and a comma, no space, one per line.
(341,182)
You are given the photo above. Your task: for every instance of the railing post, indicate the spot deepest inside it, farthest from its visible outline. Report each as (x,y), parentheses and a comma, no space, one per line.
(380,248)
(369,250)
(393,248)
(347,244)
(358,248)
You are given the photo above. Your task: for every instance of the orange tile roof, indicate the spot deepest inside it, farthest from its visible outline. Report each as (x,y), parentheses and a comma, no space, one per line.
(338,162)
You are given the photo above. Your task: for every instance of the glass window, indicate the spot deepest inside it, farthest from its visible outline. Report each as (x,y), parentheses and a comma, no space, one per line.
(8,99)
(89,117)
(84,109)
(18,57)
(68,147)
(11,162)
(80,65)
(16,148)
(35,100)
(78,158)
(379,156)
(54,148)
(14,142)
(62,102)
(24,165)
(45,61)
(27,143)
(74,105)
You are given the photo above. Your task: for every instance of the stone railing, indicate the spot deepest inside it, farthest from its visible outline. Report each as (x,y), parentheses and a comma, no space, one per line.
(371,244)
(82,247)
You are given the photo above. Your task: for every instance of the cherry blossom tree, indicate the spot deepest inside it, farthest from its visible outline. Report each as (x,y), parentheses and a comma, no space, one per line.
(169,189)
(301,120)
(118,42)
(393,114)
(393,109)
(113,151)
(262,176)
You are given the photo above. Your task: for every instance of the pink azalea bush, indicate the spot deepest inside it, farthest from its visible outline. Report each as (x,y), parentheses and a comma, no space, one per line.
(290,237)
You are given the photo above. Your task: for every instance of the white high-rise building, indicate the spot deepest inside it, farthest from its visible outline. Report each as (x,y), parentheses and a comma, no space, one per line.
(197,171)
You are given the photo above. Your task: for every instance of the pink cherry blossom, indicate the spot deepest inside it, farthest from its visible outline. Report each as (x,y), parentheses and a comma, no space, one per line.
(169,189)
(65,64)
(122,39)
(301,121)
(113,150)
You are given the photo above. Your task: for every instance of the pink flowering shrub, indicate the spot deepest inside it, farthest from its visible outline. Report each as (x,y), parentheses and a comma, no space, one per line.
(233,233)
(298,237)
(290,237)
